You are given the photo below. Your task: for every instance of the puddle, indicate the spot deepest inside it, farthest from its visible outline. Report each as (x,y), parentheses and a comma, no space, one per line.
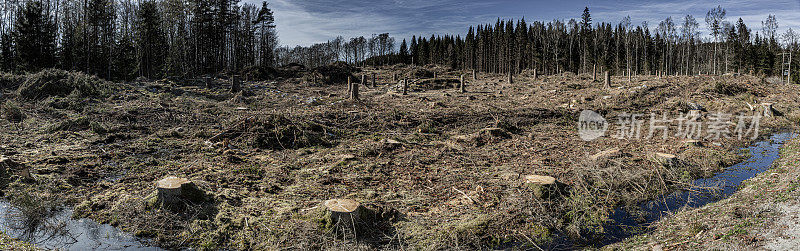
(763,154)
(61,232)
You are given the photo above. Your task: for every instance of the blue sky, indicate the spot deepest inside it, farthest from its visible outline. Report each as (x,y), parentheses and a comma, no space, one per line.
(305,22)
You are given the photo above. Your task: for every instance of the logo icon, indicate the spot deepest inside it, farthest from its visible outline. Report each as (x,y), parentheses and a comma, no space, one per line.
(591,125)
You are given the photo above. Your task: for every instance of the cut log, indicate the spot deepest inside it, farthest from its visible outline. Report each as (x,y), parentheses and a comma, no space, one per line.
(769,111)
(692,142)
(343,212)
(171,191)
(542,186)
(390,144)
(607,154)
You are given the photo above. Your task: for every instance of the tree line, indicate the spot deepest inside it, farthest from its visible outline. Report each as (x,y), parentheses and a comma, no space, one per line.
(124,39)
(671,47)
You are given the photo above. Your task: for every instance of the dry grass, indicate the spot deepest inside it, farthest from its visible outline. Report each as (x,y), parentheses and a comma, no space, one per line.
(269,157)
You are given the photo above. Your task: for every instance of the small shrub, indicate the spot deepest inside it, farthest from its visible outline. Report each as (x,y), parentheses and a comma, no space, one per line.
(51,82)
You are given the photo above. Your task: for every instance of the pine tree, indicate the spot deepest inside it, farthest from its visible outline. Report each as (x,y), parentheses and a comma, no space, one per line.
(34,37)
(150,40)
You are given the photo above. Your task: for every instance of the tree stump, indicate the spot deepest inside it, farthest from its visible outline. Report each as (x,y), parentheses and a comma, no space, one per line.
(344,212)
(354,92)
(171,191)
(405,86)
(769,111)
(694,114)
(542,186)
(510,77)
(349,84)
(236,85)
(364,80)
(209,83)
(461,82)
(474,76)
(666,159)
(608,80)
(535,74)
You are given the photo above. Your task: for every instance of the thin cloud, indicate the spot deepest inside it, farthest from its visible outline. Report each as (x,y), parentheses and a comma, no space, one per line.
(305,22)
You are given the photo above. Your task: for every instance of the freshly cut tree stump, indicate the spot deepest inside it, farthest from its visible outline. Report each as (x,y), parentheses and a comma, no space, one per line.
(171,191)
(768,110)
(345,212)
(542,186)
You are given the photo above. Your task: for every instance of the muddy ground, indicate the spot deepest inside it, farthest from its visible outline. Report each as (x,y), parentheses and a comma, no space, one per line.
(436,169)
